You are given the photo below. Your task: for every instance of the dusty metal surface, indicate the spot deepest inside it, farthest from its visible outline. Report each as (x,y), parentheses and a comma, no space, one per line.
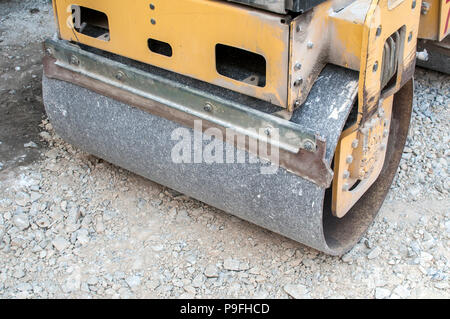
(302,149)
(182,25)
(281,6)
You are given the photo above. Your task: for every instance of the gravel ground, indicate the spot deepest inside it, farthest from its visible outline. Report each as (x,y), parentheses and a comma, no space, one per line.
(72,225)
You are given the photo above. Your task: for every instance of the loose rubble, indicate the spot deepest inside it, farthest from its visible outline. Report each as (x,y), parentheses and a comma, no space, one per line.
(75,226)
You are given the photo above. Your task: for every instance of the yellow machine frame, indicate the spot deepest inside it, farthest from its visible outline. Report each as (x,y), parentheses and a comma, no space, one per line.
(435,20)
(351,34)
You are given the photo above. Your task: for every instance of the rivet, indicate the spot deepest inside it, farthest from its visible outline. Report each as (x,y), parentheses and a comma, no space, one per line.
(349,159)
(297,66)
(410,36)
(74,60)
(346,174)
(309,146)
(298,28)
(375,66)
(413,4)
(208,107)
(425,8)
(152,6)
(120,76)
(298,82)
(378,31)
(267,131)
(346,187)
(355,143)
(153,21)
(310,45)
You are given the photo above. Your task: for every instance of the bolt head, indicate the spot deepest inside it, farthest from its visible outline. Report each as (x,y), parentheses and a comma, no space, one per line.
(379,31)
(309,146)
(310,45)
(120,76)
(297,66)
(355,143)
(410,36)
(74,60)
(375,66)
(298,82)
(346,174)
(349,159)
(208,107)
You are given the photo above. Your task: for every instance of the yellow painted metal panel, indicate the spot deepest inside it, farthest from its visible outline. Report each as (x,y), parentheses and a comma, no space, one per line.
(444,19)
(429,20)
(192,28)
(405,15)
(360,156)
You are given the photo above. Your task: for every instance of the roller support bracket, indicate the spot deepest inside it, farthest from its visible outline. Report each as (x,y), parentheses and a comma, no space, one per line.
(301,150)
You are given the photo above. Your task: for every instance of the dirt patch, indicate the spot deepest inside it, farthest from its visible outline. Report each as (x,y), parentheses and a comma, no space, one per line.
(20,105)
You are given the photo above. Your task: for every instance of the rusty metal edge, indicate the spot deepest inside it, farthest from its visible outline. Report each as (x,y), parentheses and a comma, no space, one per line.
(309,165)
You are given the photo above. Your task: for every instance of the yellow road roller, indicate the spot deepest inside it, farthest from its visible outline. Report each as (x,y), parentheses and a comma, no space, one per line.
(434,40)
(290,114)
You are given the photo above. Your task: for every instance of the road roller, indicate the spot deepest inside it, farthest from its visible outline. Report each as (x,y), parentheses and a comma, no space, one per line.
(289,114)
(434,40)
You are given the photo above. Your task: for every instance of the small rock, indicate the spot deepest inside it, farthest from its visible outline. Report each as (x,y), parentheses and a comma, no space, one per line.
(92,280)
(133,281)
(382,293)
(158,248)
(34,196)
(211,271)
(296,291)
(425,257)
(24,286)
(402,292)
(83,236)
(415,190)
(43,222)
(30,145)
(374,253)
(45,135)
(244,266)
(22,199)
(231,264)
(198,281)
(347,258)
(21,221)
(442,285)
(60,243)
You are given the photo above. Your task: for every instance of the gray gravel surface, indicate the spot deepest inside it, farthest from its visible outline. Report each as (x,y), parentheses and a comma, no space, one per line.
(74,226)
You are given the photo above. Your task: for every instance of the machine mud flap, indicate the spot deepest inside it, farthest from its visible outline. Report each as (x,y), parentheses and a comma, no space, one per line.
(295,206)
